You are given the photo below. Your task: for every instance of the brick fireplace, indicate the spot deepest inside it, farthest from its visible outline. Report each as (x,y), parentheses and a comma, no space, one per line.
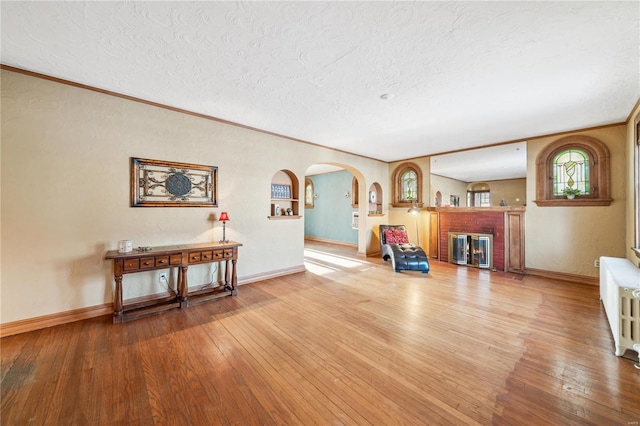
(479,220)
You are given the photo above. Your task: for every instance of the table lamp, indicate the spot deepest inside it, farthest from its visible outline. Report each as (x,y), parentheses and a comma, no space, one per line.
(224,217)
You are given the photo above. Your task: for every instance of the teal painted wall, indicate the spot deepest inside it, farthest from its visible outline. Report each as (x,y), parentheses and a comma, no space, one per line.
(330,218)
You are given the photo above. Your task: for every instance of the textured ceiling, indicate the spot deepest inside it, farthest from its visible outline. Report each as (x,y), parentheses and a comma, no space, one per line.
(459,74)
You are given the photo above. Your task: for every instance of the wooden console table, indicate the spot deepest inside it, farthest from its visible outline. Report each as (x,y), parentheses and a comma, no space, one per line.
(178,256)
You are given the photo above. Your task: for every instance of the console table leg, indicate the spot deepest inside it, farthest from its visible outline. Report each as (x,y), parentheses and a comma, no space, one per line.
(179,282)
(226,275)
(183,286)
(234,279)
(117,300)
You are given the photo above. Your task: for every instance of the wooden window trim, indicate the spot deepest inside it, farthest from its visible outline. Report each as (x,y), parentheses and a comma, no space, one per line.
(636,191)
(397,185)
(308,182)
(355,192)
(599,173)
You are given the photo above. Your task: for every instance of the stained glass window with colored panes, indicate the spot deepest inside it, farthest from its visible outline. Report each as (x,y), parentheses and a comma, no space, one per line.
(409,186)
(571,170)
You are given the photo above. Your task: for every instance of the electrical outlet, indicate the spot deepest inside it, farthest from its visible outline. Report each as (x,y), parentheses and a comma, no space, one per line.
(596,263)
(163,278)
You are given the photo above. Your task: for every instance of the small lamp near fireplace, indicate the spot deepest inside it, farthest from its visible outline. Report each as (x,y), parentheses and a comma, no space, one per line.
(224,218)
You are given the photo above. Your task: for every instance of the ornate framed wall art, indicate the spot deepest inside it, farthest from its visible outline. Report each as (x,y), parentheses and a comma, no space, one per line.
(156,183)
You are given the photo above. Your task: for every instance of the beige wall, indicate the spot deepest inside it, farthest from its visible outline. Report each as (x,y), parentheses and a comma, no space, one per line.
(513,191)
(569,239)
(447,188)
(65,194)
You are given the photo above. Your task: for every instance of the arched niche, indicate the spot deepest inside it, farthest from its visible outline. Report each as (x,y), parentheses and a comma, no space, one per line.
(284,196)
(374,197)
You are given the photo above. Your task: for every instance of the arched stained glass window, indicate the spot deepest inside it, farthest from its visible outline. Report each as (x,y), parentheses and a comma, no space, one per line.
(409,185)
(571,170)
(575,161)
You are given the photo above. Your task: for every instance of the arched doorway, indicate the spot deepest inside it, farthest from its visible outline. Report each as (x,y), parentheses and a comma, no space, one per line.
(338,208)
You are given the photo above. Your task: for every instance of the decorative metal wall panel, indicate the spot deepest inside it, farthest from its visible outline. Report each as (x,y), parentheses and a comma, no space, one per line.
(156,183)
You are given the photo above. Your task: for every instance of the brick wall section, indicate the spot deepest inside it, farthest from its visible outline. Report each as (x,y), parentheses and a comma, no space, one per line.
(476,223)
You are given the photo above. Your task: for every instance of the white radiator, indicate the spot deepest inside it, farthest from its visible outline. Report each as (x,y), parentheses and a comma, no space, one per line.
(620,295)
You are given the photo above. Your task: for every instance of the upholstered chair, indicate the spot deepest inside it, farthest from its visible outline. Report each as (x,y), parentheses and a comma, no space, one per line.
(395,246)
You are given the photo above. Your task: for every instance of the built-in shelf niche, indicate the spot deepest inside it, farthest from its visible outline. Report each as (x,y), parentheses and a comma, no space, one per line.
(284,196)
(374,198)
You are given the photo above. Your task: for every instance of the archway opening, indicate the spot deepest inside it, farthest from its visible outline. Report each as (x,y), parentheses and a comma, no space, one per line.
(338,210)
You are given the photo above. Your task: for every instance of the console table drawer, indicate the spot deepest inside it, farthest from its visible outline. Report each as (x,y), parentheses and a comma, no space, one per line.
(131,264)
(207,256)
(194,256)
(175,259)
(218,254)
(162,261)
(228,253)
(147,262)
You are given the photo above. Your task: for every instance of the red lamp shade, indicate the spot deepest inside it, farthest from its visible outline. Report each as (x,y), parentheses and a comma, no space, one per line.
(223,217)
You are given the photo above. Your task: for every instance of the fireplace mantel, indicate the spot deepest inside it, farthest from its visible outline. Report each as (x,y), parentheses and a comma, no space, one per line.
(479,209)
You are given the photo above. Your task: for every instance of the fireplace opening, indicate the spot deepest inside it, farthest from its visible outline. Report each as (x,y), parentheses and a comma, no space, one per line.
(471,249)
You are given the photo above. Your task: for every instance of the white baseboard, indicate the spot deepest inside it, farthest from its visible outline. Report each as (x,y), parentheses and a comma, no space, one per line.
(271,274)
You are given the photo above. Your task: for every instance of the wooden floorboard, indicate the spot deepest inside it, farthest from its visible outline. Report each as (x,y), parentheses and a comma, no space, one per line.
(347,342)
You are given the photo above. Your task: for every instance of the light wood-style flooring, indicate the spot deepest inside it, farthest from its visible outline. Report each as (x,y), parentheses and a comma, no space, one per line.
(347,342)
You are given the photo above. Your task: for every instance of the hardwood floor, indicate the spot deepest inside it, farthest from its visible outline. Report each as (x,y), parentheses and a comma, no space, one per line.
(347,342)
